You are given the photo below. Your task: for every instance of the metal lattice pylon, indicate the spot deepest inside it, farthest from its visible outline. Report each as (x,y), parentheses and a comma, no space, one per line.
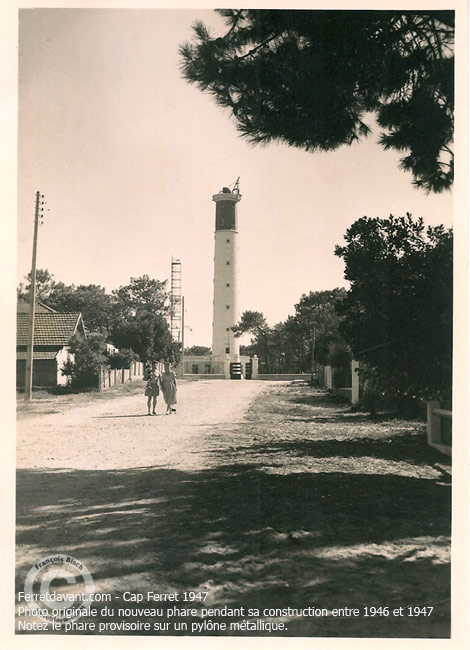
(176,306)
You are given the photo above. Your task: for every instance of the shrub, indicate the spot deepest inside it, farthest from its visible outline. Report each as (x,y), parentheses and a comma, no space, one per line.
(122,359)
(89,356)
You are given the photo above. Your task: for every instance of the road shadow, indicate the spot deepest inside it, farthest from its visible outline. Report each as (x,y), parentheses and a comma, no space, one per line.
(409,447)
(337,408)
(133,415)
(251,539)
(319,399)
(260,534)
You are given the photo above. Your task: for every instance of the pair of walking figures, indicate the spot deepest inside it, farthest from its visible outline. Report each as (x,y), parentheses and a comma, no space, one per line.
(167,382)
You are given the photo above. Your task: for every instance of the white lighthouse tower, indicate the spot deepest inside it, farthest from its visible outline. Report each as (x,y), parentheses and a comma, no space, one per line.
(225,309)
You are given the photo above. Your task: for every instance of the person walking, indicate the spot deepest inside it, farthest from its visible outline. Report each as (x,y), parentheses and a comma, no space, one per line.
(168,383)
(152,389)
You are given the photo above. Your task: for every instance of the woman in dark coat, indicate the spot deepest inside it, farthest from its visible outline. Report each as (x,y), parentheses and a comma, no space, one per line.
(152,389)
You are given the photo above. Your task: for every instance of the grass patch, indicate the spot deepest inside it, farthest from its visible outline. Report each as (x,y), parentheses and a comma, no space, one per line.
(42,401)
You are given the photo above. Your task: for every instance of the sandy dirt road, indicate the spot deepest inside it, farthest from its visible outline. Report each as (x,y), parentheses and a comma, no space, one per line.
(118,434)
(263,496)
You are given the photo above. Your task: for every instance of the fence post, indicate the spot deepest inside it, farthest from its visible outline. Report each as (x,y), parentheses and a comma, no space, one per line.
(354,382)
(254,367)
(328,377)
(227,368)
(433,422)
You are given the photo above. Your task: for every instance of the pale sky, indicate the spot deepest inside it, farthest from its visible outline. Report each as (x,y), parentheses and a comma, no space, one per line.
(128,155)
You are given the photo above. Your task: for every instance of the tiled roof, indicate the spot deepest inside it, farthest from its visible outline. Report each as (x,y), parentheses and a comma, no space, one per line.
(38,354)
(22,307)
(49,328)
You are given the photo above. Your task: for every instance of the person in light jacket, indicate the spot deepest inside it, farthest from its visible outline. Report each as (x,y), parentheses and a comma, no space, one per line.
(168,384)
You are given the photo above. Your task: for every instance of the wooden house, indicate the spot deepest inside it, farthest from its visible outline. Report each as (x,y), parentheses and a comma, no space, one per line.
(52,332)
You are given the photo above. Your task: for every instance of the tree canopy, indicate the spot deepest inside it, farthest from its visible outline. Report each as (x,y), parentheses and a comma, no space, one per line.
(44,285)
(309,79)
(251,322)
(398,310)
(254,323)
(139,320)
(91,300)
(198,350)
(288,346)
(316,314)
(134,317)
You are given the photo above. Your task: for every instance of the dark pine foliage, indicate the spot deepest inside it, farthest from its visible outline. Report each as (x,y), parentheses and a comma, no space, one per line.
(398,310)
(309,78)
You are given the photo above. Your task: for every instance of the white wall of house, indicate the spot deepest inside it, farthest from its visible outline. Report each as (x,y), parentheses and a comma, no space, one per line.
(62,357)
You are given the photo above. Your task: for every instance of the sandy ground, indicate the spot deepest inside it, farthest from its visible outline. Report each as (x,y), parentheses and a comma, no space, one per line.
(118,434)
(263,495)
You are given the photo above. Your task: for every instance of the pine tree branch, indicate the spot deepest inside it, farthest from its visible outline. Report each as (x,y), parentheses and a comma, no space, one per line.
(449,151)
(255,49)
(235,22)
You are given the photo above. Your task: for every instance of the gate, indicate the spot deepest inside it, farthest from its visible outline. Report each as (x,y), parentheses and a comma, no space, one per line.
(248,370)
(235,370)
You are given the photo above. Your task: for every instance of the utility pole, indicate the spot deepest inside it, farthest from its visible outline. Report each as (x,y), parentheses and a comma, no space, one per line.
(28,386)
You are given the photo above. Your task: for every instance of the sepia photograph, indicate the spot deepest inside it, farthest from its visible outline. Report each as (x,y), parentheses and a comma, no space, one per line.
(238,265)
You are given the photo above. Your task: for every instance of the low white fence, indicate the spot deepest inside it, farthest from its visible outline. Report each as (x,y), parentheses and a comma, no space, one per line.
(352,394)
(343,392)
(108,377)
(201,376)
(284,376)
(434,427)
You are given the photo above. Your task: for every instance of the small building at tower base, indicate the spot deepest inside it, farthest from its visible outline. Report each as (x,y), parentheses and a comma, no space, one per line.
(206,367)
